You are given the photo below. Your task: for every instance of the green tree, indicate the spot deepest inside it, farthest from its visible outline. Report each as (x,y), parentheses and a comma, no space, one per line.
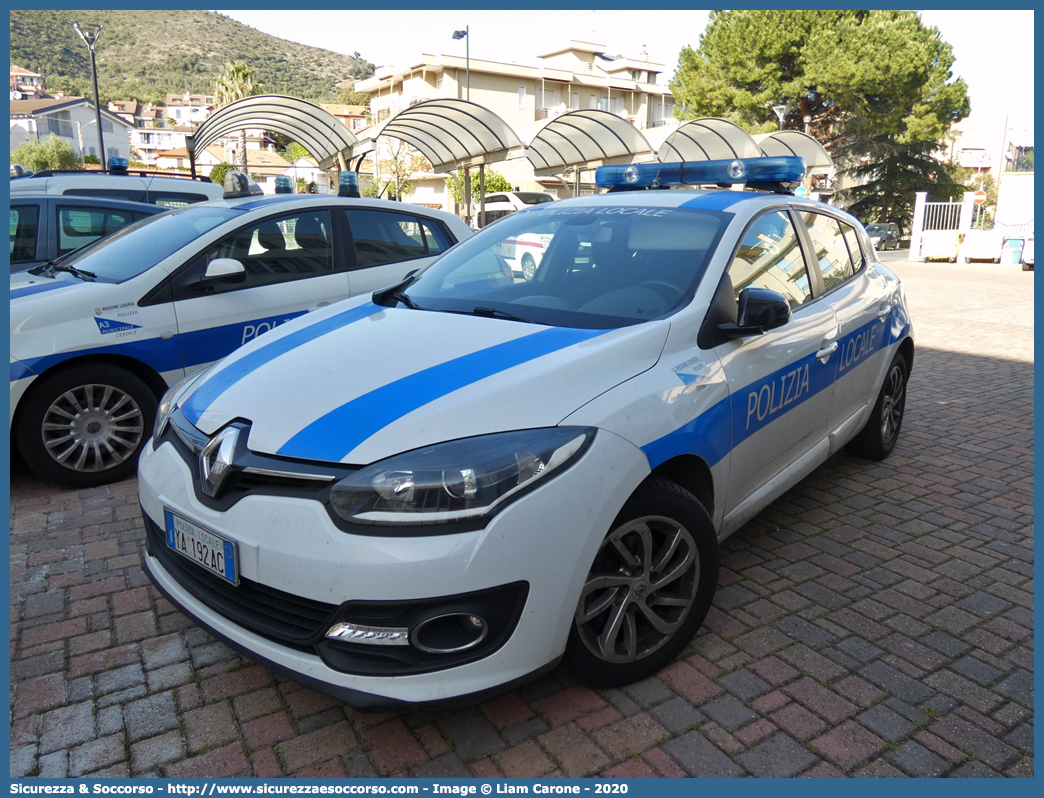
(236,82)
(217,174)
(295,151)
(494,182)
(860,75)
(396,168)
(1024,162)
(349,96)
(892,180)
(51,153)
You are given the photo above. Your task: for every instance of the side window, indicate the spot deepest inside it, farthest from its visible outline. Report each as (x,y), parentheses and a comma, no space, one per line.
(830,249)
(272,251)
(79,226)
(855,252)
(132,194)
(435,237)
(24,221)
(770,257)
(172,200)
(385,237)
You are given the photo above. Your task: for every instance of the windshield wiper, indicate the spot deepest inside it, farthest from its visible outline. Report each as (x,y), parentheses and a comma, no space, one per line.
(397,292)
(495,313)
(83,274)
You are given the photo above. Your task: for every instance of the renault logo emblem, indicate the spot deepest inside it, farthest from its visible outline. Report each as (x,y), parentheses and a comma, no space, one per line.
(215,460)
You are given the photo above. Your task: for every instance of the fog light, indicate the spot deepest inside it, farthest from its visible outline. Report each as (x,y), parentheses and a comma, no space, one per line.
(369,635)
(446,634)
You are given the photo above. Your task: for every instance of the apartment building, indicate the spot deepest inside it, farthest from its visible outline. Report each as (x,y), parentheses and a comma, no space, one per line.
(73,120)
(579,75)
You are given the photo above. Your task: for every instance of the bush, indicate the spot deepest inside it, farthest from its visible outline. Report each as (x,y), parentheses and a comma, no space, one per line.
(217,174)
(51,153)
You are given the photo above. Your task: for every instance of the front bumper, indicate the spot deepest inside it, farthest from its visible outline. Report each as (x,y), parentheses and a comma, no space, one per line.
(546,539)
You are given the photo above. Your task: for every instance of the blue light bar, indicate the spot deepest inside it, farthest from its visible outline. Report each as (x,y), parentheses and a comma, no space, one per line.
(348,184)
(782,169)
(239,184)
(283,185)
(118,165)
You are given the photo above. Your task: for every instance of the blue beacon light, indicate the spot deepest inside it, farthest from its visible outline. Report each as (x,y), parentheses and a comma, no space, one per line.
(778,169)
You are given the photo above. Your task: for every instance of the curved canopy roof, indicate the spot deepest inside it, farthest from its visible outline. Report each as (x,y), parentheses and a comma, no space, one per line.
(318,131)
(794,142)
(707,139)
(452,133)
(585,140)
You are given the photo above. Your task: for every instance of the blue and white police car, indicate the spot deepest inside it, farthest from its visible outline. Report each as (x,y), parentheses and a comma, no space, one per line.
(99,335)
(447,486)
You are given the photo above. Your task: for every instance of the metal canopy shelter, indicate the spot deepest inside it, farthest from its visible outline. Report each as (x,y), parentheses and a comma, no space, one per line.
(794,142)
(326,137)
(707,139)
(584,140)
(450,133)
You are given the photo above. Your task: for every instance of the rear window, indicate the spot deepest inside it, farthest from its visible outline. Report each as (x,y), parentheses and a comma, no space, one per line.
(533,198)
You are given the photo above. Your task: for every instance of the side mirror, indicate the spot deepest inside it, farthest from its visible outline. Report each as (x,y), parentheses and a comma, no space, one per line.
(224,270)
(760,310)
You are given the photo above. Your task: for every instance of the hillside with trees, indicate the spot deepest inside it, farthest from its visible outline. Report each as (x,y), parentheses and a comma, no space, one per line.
(144,55)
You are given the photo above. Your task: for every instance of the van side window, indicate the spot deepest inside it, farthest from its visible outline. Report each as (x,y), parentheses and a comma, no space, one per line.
(78,226)
(24,222)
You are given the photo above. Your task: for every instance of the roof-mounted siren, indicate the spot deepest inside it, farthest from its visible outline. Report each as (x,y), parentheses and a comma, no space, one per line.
(283,185)
(778,174)
(17,170)
(348,184)
(239,184)
(117,166)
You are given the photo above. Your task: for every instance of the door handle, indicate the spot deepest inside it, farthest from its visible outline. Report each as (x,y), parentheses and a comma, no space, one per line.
(823,354)
(882,314)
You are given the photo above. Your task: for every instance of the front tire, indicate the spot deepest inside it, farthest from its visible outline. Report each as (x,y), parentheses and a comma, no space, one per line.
(648,590)
(85,426)
(877,439)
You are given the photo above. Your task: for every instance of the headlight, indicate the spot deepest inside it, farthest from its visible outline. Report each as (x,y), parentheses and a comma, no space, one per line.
(456,480)
(172,399)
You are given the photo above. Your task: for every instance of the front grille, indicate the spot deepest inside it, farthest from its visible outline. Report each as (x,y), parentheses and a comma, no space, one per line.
(271,613)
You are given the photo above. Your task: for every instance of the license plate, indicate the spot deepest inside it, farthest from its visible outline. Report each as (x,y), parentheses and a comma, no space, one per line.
(205,548)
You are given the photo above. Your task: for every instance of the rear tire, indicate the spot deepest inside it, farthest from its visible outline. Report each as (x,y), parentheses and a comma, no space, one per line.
(85,426)
(648,589)
(877,439)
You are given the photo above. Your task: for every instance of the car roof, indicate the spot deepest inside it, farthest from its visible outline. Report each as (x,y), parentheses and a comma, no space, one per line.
(92,199)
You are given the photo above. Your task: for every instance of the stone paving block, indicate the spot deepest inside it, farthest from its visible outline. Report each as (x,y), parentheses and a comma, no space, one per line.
(848,744)
(507,711)
(1018,687)
(886,723)
(525,761)
(777,757)
(630,736)
(150,716)
(970,738)
(393,748)
(568,705)
(570,749)
(472,735)
(700,758)
(156,751)
(447,766)
(318,746)
(209,726)
(96,755)
(648,692)
(677,715)
(67,726)
(729,712)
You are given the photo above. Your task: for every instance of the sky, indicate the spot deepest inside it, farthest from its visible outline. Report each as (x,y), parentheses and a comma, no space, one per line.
(993,49)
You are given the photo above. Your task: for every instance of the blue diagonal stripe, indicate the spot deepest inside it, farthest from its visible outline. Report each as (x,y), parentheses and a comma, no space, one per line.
(39,288)
(214,386)
(338,432)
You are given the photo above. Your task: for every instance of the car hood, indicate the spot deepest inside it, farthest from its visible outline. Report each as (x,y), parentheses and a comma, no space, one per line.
(356,382)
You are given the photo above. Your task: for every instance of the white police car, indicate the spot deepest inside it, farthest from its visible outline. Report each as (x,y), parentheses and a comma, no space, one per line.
(98,336)
(443,488)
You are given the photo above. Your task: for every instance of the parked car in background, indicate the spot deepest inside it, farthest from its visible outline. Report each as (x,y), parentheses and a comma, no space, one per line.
(98,336)
(884,235)
(455,483)
(503,203)
(47,227)
(155,188)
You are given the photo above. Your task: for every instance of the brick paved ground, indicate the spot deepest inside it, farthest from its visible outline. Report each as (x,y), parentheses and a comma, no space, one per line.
(876,621)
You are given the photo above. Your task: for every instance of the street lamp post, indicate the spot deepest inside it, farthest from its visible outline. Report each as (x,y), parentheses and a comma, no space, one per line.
(807,119)
(463,34)
(781,112)
(90,34)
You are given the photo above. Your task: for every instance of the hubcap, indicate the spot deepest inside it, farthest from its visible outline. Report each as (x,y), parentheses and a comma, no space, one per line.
(528,266)
(892,406)
(640,589)
(92,428)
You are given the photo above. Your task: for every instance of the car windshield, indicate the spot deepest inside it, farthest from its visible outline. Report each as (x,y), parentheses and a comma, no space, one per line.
(136,248)
(595,266)
(533,197)
(876,229)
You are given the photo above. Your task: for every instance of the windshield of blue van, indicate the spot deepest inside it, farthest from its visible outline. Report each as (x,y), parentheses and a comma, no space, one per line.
(589,266)
(136,248)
